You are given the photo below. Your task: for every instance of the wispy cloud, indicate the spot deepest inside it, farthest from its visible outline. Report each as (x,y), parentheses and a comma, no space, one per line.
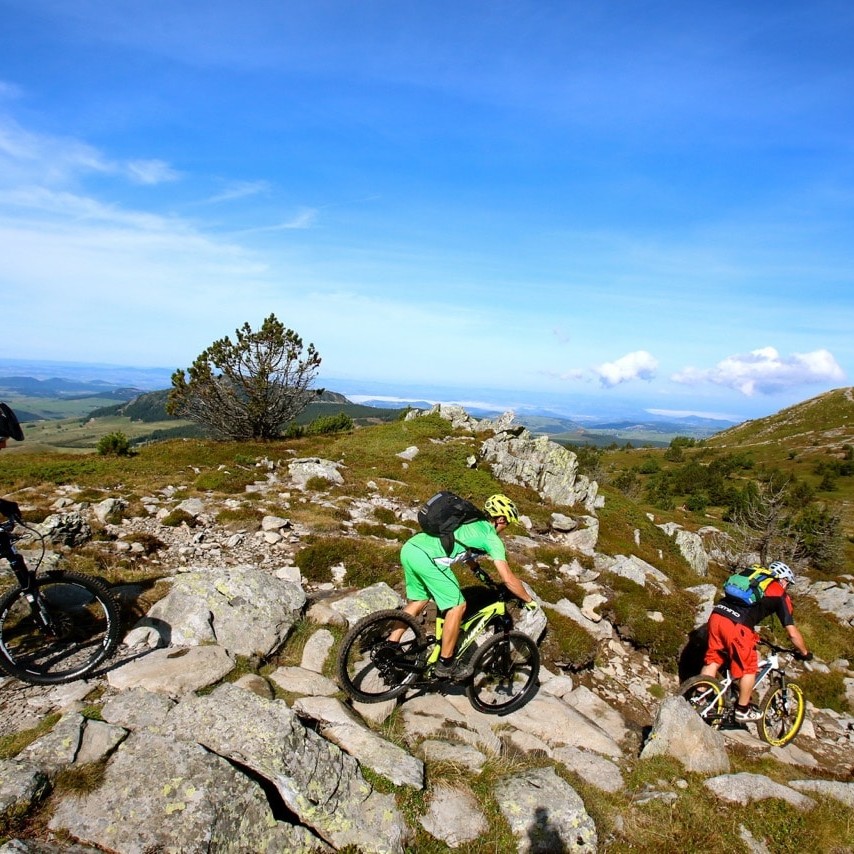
(639,365)
(765,371)
(240,190)
(151,172)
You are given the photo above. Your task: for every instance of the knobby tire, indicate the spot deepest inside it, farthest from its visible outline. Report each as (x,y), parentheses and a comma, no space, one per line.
(371,668)
(783,710)
(85,626)
(506,668)
(705,695)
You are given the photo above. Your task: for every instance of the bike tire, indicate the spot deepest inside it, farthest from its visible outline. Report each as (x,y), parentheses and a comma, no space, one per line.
(783,709)
(85,618)
(506,668)
(705,695)
(370,668)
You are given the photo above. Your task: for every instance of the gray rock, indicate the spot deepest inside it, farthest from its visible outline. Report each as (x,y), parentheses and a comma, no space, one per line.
(245,610)
(464,755)
(173,671)
(744,788)
(22,784)
(298,680)
(843,792)
(57,748)
(545,813)
(316,650)
(678,731)
(137,708)
(99,740)
(164,795)
(596,770)
(319,783)
(454,816)
(302,470)
(377,597)
(539,464)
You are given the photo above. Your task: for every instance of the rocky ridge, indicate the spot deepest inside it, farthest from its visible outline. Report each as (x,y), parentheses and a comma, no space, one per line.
(280,762)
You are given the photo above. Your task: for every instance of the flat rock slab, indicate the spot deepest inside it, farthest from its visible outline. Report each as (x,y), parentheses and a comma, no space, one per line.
(173,671)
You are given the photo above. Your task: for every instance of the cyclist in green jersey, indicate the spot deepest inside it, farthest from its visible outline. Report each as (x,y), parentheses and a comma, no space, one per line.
(428,575)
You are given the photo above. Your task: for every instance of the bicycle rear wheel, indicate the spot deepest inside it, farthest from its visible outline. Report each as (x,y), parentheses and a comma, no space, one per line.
(783,709)
(505,673)
(705,695)
(82,630)
(370,667)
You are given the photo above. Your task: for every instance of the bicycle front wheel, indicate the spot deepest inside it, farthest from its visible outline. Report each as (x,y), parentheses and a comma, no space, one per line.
(506,668)
(783,709)
(371,667)
(705,695)
(60,630)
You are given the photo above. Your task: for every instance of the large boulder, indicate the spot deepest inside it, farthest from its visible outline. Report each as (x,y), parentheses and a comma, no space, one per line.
(678,731)
(247,611)
(539,464)
(316,781)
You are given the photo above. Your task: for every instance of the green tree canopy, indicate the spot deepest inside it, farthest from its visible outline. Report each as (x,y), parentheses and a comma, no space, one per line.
(249,388)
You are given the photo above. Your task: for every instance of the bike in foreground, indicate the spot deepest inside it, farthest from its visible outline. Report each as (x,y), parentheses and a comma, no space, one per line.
(372,668)
(57,626)
(782,705)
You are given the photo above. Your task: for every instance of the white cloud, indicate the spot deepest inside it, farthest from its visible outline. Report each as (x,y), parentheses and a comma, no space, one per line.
(639,365)
(240,190)
(765,371)
(151,172)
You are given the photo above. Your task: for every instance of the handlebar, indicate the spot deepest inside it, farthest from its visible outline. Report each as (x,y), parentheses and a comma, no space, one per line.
(783,649)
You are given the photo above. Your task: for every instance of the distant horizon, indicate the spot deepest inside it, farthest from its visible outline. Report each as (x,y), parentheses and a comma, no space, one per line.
(576,408)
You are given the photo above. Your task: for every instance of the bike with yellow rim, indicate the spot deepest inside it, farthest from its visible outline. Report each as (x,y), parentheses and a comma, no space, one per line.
(782,705)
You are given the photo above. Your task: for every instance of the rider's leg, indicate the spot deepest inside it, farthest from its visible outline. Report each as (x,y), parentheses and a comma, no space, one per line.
(745,689)
(413,607)
(451,630)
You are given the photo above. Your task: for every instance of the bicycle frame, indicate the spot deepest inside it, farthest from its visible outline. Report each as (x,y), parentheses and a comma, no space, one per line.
(23,574)
(471,628)
(766,666)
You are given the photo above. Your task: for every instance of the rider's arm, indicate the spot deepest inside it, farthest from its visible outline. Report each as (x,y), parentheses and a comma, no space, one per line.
(510,581)
(797,639)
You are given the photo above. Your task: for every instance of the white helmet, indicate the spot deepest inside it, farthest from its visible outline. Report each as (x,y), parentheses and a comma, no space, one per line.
(781,571)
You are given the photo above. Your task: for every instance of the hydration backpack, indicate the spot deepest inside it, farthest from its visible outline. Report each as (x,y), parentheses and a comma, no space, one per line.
(444,513)
(748,586)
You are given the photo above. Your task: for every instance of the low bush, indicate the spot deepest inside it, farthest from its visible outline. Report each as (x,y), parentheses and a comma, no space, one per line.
(114,444)
(366,561)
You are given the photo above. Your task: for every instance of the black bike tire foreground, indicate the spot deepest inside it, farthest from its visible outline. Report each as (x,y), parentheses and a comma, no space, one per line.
(87,622)
(370,668)
(705,695)
(783,709)
(506,668)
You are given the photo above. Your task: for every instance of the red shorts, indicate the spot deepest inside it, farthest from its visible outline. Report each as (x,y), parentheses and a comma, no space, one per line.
(729,641)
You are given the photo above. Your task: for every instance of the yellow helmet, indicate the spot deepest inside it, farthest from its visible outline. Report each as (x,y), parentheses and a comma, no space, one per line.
(501,505)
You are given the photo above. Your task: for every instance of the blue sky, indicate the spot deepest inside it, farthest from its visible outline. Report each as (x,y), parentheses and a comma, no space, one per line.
(624,203)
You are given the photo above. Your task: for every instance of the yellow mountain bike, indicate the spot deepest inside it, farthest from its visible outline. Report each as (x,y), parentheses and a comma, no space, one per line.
(371,668)
(782,706)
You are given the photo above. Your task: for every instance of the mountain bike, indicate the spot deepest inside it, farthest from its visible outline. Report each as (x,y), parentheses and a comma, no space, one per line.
(55,627)
(782,706)
(372,668)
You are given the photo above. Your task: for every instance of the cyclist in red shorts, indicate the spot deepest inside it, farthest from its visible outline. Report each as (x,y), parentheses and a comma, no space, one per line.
(732,636)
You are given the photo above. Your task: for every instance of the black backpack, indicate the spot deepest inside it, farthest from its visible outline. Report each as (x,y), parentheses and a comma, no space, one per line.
(444,513)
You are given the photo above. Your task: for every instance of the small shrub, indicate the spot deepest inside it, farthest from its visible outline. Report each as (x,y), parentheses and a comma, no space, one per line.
(318,483)
(179,517)
(114,445)
(384,515)
(337,423)
(150,543)
(366,561)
